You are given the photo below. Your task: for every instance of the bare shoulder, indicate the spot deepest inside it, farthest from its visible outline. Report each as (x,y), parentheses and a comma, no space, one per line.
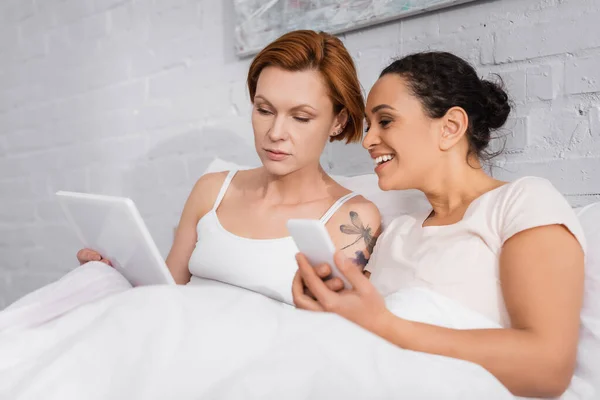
(205,191)
(360,211)
(355,227)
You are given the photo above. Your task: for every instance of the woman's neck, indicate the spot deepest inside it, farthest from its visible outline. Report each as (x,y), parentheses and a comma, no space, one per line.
(452,189)
(304,185)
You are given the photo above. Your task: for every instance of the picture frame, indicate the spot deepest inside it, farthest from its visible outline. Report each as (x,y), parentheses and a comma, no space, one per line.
(259,22)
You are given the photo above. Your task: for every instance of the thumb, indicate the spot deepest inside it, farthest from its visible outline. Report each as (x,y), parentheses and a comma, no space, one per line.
(351,271)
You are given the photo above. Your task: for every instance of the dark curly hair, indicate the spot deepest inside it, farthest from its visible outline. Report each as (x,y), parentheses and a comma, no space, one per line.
(441,80)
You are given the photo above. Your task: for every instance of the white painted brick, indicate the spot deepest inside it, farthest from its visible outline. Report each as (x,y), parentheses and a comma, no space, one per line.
(557,131)
(212,141)
(541,83)
(13,75)
(150,203)
(36,25)
(178,196)
(130,23)
(518,139)
(486,45)
(548,38)
(32,48)
(160,7)
(515,82)
(29,163)
(350,159)
(20,141)
(490,15)
(9,35)
(59,42)
(10,169)
(18,10)
(16,189)
(161,229)
(106,73)
(92,75)
(513,137)
(121,19)
(127,96)
(570,176)
(117,123)
(197,164)
(56,236)
(464,45)
(388,36)
(17,212)
(171,171)
(141,177)
(18,97)
(122,150)
(14,120)
(156,116)
(103,5)
(12,259)
(49,211)
(89,29)
(204,102)
(240,98)
(582,75)
(20,237)
(74,180)
(369,66)
(67,11)
(426,25)
(174,82)
(39,186)
(107,179)
(63,83)
(168,55)
(594,116)
(64,132)
(175,23)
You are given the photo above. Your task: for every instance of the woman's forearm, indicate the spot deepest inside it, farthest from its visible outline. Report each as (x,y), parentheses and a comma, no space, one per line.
(520,359)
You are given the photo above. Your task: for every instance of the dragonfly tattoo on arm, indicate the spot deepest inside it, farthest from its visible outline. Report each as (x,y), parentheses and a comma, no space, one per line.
(363,233)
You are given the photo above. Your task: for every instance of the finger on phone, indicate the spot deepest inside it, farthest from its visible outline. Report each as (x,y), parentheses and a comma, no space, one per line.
(323,271)
(334,284)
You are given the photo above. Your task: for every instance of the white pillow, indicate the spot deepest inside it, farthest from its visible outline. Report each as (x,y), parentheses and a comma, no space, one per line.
(391,204)
(588,357)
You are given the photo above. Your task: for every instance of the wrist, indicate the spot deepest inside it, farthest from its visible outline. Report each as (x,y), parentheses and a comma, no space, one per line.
(384,324)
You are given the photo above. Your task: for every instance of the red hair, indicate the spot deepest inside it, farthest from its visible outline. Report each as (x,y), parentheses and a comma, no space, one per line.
(309,50)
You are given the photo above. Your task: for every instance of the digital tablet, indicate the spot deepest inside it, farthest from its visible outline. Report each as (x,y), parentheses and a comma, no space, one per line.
(113,227)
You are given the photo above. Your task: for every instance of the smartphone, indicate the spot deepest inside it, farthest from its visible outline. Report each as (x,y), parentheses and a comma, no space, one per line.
(313,240)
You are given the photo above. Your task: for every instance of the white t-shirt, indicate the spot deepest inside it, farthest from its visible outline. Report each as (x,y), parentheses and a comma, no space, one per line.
(461,261)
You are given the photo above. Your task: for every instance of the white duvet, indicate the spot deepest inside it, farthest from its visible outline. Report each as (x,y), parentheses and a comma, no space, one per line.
(214,341)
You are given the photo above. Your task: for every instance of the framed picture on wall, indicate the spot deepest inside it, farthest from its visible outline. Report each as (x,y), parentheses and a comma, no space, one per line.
(259,22)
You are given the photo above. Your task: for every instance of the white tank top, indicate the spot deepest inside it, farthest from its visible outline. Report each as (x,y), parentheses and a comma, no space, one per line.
(265,266)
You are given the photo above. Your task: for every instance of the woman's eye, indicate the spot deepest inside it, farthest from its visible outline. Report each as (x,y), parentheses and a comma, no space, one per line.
(367,128)
(263,111)
(300,119)
(384,123)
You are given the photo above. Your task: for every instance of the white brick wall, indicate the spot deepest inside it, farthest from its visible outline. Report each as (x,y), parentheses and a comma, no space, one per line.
(135,97)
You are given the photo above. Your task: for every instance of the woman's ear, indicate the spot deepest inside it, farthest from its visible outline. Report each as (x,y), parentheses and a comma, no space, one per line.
(339,123)
(454,126)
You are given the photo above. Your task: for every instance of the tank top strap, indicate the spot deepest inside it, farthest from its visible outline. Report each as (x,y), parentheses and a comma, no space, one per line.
(224,188)
(325,218)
